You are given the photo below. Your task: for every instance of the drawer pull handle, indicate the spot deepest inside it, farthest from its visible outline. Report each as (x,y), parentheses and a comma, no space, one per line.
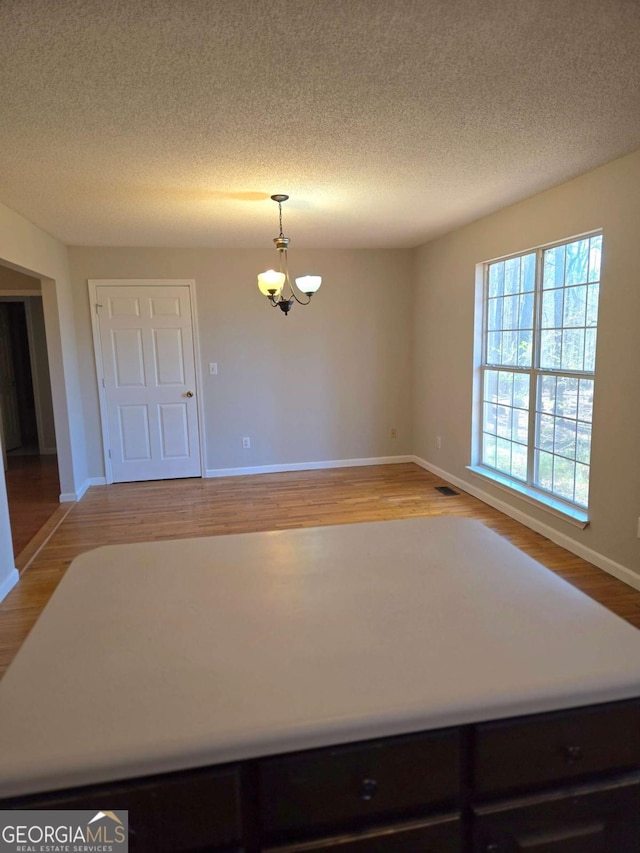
(368,788)
(573,754)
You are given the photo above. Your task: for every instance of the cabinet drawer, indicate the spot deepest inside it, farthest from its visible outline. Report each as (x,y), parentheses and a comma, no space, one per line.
(595,819)
(434,836)
(534,751)
(330,787)
(171,813)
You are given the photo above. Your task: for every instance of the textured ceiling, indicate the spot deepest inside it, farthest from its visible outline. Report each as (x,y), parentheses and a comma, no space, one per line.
(170,122)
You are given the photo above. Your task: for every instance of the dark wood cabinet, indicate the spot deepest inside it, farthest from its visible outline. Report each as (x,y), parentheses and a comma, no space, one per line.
(441,835)
(172,813)
(347,786)
(535,751)
(563,782)
(595,819)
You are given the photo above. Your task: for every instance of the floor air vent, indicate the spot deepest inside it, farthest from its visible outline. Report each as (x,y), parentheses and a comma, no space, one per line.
(446,490)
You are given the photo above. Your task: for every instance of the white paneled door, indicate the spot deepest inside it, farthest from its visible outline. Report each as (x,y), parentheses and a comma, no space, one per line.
(150,406)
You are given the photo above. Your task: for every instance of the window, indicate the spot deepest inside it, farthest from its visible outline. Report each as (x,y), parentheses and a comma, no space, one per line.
(538,362)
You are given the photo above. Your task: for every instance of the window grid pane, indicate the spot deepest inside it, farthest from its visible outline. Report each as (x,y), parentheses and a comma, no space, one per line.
(509,312)
(561,433)
(565,340)
(505,427)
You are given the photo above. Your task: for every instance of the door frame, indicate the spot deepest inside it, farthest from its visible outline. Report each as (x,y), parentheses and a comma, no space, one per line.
(36,379)
(93,284)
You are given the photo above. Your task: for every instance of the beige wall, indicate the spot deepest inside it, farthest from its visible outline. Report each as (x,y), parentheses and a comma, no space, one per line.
(12,280)
(328,382)
(28,249)
(608,197)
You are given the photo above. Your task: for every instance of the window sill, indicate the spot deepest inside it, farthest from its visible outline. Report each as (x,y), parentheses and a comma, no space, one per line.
(571,514)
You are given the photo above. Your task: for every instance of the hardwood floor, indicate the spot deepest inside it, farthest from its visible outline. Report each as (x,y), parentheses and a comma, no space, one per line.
(138,512)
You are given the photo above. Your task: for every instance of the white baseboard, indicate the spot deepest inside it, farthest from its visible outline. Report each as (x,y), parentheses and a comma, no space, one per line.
(306,466)
(48,451)
(618,571)
(69,497)
(8,583)
(97,481)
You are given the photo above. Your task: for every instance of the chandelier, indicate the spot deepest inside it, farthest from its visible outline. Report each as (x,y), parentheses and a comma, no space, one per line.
(276,286)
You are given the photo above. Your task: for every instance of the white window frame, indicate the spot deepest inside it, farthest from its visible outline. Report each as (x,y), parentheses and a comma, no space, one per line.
(528,491)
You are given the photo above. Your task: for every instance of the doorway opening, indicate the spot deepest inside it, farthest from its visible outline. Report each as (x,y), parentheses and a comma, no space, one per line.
(26,411)
(20,428)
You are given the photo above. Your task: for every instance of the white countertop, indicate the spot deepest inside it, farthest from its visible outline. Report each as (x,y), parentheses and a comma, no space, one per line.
(167,655)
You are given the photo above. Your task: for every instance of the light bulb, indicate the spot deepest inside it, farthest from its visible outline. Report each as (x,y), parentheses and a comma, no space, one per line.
(270,282)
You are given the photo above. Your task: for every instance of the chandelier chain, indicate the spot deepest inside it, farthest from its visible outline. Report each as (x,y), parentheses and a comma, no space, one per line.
(280,211)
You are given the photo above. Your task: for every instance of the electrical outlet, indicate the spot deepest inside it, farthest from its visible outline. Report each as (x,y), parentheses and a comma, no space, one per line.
(394,432)
(213,368)
(438,442)
(246,442)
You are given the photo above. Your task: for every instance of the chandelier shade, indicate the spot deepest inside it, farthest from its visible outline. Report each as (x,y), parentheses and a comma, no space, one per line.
(271,282)
(308,283)
(276,285)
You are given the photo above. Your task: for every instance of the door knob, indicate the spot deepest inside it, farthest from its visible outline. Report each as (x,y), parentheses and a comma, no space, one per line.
(189,394)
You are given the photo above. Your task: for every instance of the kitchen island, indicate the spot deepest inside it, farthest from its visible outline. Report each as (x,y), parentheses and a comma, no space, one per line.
(403,685)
